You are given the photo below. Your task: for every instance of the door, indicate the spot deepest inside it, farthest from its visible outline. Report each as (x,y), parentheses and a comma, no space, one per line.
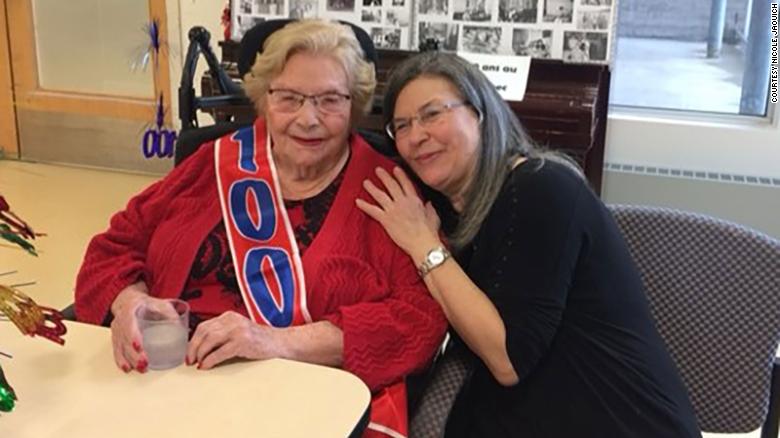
(8,144)
(78,97)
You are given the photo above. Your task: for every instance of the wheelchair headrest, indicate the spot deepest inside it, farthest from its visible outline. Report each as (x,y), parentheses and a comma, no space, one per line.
(253,40)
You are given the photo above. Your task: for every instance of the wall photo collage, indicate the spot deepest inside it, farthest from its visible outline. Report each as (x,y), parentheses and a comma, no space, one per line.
(577,31)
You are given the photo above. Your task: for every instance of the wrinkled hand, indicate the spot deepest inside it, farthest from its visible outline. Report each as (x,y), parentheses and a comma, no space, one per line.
(412,225)
(230,335)
(125,336)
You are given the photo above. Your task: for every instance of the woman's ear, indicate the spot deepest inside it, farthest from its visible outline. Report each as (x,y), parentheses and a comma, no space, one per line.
(480,117)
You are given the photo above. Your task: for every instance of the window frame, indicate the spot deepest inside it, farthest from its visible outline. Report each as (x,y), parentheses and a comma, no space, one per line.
(711,142)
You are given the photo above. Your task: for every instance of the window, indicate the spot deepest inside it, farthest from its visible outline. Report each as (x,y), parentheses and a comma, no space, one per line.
(702,55)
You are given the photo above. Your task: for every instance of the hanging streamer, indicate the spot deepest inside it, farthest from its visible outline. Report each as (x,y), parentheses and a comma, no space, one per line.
(150,51)
(158,140)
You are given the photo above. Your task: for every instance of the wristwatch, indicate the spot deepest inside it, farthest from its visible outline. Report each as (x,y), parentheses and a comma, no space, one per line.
(434,259)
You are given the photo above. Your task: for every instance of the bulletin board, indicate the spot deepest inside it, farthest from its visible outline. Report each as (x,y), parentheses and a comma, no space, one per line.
(575,31)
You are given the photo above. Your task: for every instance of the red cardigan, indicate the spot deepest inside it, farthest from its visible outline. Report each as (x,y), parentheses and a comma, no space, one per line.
(357,278)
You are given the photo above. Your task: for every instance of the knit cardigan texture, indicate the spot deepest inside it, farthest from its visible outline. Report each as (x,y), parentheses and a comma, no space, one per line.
(356,277)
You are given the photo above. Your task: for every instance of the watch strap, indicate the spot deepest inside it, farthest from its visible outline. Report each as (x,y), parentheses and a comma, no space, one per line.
(432,262)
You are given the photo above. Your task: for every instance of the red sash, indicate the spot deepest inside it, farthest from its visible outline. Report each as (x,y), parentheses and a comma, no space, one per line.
(266,257)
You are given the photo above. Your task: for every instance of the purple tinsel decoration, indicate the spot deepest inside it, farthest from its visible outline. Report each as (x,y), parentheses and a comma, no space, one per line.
(151,50)
(158,140)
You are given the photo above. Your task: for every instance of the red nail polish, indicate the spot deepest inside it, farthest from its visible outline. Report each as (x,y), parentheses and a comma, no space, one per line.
(126,368)
(142,364)
(136,346)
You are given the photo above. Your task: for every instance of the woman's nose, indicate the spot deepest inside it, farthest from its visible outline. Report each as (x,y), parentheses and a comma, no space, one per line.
(417,133)
(308,114)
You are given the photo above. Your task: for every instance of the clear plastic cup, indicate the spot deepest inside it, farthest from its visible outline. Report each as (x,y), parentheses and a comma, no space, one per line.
(164,327)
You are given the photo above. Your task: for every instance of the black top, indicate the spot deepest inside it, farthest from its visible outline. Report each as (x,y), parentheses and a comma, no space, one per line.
(579,330)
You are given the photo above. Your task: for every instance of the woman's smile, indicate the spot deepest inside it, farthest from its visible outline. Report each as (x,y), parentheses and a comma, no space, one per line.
(308,141)
(427,158)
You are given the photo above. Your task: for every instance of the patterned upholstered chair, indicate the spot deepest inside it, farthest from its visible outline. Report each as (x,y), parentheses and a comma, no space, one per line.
(428,417)
(714,289)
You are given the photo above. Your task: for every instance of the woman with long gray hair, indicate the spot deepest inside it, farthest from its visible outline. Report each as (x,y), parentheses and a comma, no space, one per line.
(546,304)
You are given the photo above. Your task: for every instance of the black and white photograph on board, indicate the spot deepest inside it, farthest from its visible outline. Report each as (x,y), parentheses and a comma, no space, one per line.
(472,10)
(479,39)
(386,37)
(532,28)
(558,11)
(300,9)
(584,46)
(269,7)
(397,17)
(593,20)
(371,15)
(536,43)
(517,11)
(243,24)
(432,7)
(340,5)
(446,34)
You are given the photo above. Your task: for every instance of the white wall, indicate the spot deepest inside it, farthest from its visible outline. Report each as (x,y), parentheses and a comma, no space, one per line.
(732,145)
(744,147)
(754,206)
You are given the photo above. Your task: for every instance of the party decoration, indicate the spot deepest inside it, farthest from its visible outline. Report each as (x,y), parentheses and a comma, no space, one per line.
(151,50)
(158,140)
(13,229)
(225,20)
(29,317)
(7,395)
(17,307)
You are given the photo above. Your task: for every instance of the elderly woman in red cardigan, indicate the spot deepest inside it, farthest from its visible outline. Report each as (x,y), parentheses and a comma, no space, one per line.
(275,201)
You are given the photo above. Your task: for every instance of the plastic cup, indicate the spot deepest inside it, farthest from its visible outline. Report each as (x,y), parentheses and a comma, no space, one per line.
(164,327)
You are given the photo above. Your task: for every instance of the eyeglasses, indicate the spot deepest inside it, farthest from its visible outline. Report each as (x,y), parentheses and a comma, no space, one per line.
(426,116)
(288,101)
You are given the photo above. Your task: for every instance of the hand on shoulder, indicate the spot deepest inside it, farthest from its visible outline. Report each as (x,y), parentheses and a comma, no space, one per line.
(412,224)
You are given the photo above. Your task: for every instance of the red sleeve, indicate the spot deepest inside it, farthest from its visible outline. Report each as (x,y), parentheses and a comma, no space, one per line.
(116,258)
(389,339)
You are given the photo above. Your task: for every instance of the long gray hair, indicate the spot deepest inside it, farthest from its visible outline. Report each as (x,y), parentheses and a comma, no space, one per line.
(502,138)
